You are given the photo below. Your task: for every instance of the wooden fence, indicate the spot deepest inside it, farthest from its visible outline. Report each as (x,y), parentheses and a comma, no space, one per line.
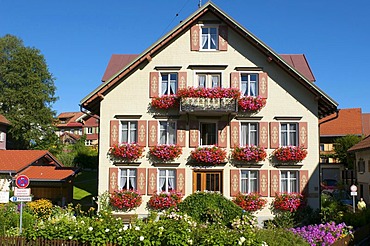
(21,241)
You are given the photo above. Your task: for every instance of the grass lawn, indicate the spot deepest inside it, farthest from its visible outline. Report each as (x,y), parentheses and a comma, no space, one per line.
(85,187)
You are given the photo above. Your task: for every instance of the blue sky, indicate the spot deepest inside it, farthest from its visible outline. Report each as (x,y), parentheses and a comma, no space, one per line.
(78,37)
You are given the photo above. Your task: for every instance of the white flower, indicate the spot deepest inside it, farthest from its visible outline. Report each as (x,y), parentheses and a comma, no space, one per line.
(90,228)
(125,227)
(107,230)
(70,237)
(137,228)
(161,228)
(242,239)
(120,230)
(141,238)
(190,242)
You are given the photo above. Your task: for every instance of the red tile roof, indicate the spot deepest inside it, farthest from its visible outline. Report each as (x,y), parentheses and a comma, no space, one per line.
(299,62)
(70,118)
(349,121)
(366,124)
(16,160)
(116,63)
(4,120)
(47,173)
(363,144)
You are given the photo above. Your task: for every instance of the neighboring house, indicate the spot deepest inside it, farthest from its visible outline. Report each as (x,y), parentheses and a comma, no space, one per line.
(73,125)
(4,124)
(362,153)
(210,49)
(344,122)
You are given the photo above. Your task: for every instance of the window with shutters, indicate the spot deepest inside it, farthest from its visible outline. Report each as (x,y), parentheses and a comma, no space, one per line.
(209,80)
(166,180)
(127,179)
(248,134)
(167,132)
(209,38)
(289,134)
(249,181)
(288,181)
(168,83)
(128,132)
(249,84)
(208,133)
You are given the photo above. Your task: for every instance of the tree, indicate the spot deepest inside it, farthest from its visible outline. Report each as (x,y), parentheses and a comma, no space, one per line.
(341,146)
(27,94)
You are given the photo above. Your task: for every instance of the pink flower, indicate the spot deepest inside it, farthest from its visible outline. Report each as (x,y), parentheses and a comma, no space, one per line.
(166,152)
(126,151)
(251,103)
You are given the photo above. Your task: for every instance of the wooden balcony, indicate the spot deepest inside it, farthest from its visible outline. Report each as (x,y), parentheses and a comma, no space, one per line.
(201,105)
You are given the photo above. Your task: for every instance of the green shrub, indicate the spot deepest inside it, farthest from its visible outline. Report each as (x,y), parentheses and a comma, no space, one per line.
(279,236)
(210,207)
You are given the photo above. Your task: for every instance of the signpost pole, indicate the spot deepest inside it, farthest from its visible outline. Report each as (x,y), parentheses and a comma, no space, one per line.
(353,189)
(20,219)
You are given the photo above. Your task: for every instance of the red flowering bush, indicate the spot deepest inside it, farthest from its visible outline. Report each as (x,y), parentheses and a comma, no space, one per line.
(164,200)
(216,92)
(126,151)
(287,201)
(125,199)
(290,154)
(248,154)
(208,155)
(165,152)
(165,102)
(251,103)
(250,202)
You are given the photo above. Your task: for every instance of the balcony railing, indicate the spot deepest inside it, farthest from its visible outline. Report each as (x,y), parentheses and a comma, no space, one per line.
(203,104)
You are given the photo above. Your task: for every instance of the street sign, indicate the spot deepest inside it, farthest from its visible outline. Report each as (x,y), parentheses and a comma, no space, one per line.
(22,192)
(22,181)
(4,196)
(353,193)
(20,199)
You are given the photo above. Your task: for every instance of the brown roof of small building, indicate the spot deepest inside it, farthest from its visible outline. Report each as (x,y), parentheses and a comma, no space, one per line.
(362,145)
(349,121)
(47,173)
(4,120)
(71,118)
(116,63)
(299,62)
(16,160)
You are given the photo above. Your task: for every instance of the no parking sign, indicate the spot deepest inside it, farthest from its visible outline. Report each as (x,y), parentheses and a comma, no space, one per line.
(22,181)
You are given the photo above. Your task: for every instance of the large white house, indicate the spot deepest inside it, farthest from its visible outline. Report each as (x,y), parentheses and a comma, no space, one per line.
(209,49)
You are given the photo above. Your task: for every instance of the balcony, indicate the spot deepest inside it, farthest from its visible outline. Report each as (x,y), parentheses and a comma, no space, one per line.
(206,105)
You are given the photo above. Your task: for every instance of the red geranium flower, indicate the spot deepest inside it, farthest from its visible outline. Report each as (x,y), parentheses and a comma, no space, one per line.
(290,154)
(126,151)
(250,202)
(249,153)
(164,200)
(166,152)
(208,155)
(125,199)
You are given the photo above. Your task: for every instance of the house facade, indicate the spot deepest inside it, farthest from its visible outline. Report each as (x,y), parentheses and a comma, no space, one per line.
(210,50)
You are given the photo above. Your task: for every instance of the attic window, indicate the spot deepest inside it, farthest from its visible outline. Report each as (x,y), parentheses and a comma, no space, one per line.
(209,38)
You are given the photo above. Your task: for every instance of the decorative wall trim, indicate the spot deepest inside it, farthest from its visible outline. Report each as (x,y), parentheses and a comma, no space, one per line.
(161,68)
(248,68)
(122,116)
(207,67)
(295,118)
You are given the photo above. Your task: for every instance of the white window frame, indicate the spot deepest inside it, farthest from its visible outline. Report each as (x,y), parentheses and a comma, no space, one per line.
(288,133)
(72,131)
(249,179)
(208,79)
(208,37)
(88,142)
(248,83)
(168,83)
(200,133)
(248,133)
(166,131)
(89,130)
(289,181)
(128,177)
(167,176)
(129,129)
(2,136)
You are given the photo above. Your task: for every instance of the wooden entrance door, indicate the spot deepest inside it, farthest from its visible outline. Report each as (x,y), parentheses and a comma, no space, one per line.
(207,180)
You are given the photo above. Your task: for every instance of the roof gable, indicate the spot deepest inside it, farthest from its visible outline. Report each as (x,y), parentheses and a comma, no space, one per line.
(4,120)
(92,101)
(362,145)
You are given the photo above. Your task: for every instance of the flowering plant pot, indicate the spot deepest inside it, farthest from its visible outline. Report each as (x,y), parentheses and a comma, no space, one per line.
(164,200)
(287,201)
(126,151)
(125,200)
(208,155)
(250,202)
(248,154)
(165,152)
(251,103)
(216,92)
(165,102)
(290,154)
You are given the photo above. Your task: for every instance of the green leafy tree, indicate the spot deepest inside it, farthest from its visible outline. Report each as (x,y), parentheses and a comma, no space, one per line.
(27,94)
(341,146)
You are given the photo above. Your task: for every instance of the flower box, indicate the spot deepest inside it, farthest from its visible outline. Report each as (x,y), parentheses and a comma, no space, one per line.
(165,152)
(290,154)
(251,103)
(287,201)
(248,154)
(251,202)
(216,92)
(125,200)
(126,152)
(208,155)
(164,200)
(165,102)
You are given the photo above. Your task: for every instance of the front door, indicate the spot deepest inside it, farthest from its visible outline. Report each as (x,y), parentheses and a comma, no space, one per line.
(207,180)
